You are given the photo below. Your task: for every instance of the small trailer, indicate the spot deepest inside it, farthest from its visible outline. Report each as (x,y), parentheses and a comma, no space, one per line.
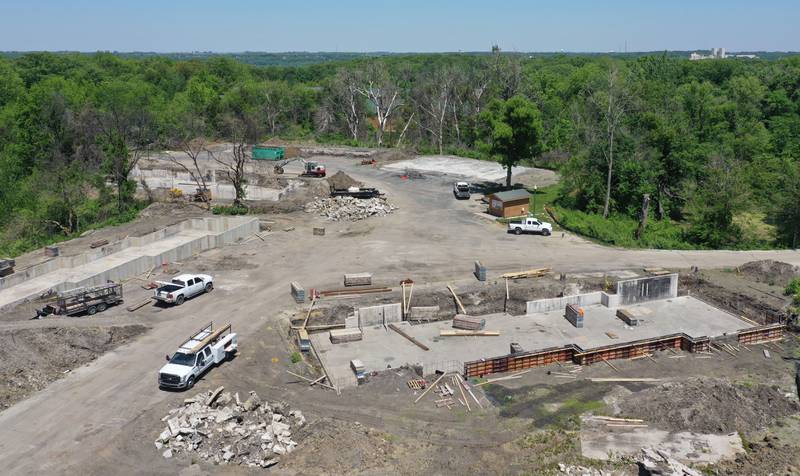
(89,300)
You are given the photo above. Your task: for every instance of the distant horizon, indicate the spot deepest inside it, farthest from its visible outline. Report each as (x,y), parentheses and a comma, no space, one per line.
(576,26)
(167,52)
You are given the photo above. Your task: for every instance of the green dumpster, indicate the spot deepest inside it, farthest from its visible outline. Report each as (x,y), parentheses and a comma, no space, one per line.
(267,153)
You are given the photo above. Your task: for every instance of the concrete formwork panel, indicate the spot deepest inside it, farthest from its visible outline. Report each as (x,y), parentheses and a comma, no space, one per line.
(555,304)
(633,291)
(380,315)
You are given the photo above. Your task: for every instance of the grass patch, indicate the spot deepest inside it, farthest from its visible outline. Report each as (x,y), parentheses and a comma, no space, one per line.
(229,210)
(620,231)
(295,357)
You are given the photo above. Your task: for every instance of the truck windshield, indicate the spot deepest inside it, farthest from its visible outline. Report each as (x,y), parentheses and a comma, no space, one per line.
(180,358)
(463,188)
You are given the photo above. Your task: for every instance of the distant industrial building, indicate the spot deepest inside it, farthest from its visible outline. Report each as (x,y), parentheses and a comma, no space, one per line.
(719,53)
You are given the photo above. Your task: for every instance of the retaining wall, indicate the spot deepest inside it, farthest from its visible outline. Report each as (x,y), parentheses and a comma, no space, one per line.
(220,230)
(555,304)
(632,291)
(380,315)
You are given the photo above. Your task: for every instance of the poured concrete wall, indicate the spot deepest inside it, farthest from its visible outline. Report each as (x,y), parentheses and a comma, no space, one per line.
(554,304)
(379,315)
(126,258)
(653,288)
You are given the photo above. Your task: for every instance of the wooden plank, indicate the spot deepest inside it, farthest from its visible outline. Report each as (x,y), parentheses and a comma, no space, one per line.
(458,301)
(309,380)
(139,305)
(461,389)
(624,379)
(429,388)
(313,300)
(766,354)
(410,338)
(610,364)
(465,333)
(317,381)
(209,338)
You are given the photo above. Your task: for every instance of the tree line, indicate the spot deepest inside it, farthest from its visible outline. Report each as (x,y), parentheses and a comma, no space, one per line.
(710,146)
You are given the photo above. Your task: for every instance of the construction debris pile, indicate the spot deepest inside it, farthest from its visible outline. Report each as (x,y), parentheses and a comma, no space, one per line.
(349,208)
(222,429)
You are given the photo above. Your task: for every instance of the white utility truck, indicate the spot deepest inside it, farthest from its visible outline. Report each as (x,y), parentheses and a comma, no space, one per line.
(461,190)
(530,225)
(183,287)
(206,348)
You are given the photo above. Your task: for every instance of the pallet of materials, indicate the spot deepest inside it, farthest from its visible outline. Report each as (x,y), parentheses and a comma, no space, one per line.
(298,293)
(480,271)
(574,315)
(358,279)
(339,336)
(628,317)
(470,323)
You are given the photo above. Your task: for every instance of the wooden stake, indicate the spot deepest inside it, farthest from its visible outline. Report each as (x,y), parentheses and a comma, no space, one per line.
(458,301)
(311,381)
(469,390)
(458,384)
(609,364)
(410,293)
(313,300)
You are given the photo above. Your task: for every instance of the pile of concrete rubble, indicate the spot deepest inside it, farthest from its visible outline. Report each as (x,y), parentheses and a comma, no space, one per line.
(349,208)
(222,429)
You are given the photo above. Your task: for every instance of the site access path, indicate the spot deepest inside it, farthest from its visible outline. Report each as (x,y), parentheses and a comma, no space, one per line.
(104,417)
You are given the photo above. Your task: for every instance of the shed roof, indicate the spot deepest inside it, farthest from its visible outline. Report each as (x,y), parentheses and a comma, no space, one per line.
(512,195)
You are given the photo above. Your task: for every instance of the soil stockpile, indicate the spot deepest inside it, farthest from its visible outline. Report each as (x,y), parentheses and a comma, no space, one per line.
(767,456)
(32,358)
(349,208)
(709,406)
(770,271)
(341,180)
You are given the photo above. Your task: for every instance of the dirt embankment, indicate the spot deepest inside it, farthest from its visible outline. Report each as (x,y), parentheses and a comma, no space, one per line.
(709,406)
(770,455)
(32,358)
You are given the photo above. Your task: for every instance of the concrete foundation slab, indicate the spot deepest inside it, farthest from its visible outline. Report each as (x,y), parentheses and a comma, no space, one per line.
(381,348)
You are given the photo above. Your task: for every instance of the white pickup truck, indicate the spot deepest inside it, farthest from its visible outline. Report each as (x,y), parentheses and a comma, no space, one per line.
(461,190)
(183,287)
(530,225)
(206,348)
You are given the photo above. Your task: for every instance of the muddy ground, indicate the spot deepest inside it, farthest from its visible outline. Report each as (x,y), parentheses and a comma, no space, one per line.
(755,289)
(30,359)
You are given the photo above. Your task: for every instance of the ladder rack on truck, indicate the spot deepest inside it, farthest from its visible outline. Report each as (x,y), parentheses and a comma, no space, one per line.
(203,337)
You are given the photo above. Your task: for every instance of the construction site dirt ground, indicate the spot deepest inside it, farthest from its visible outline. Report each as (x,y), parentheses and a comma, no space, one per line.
(103,416)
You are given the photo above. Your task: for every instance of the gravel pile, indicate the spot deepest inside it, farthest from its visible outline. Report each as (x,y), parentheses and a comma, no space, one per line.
(222,429)
(349,208)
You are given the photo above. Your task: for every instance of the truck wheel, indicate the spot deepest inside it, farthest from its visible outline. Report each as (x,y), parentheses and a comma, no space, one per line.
(546,232)
(190,383)
(91,311)
(209,287)
(180,300)
(101,307)
(517,231)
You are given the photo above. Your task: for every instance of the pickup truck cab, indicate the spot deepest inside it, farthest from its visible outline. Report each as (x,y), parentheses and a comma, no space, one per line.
(530,225)
(461,190)
(205,349)
(183,287)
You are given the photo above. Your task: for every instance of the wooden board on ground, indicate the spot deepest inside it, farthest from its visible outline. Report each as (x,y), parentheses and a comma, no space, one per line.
(463,333)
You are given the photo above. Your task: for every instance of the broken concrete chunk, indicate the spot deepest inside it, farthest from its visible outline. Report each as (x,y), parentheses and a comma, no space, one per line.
(278,449)
(269,462)
(167,454)
(223,415)
(213,396)
(174,426)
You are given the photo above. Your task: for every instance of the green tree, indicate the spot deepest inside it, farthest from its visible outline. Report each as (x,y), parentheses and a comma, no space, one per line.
(511,131)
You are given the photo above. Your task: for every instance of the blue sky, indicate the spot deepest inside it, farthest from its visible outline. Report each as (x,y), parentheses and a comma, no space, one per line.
(400,26)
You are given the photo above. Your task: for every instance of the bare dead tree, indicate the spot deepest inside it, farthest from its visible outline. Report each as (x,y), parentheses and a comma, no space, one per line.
(384,95)
(187,134)
(239,131)
(603,118)
(433,98)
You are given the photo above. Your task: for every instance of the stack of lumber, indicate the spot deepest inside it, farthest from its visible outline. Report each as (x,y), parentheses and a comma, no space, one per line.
(339,336)
(628,317)
(358,279)
(531,273)
(462,321)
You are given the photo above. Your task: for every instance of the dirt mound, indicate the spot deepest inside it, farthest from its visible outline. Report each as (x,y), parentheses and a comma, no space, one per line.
(341,180)
(770,271)
(32,358)
(768,456)
(361,449)
(393,155)
(709,406)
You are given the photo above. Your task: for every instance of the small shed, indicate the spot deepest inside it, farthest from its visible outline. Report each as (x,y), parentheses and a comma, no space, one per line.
(512,203)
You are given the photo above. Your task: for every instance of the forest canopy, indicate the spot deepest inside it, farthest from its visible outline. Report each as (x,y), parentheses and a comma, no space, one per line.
(713,145)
